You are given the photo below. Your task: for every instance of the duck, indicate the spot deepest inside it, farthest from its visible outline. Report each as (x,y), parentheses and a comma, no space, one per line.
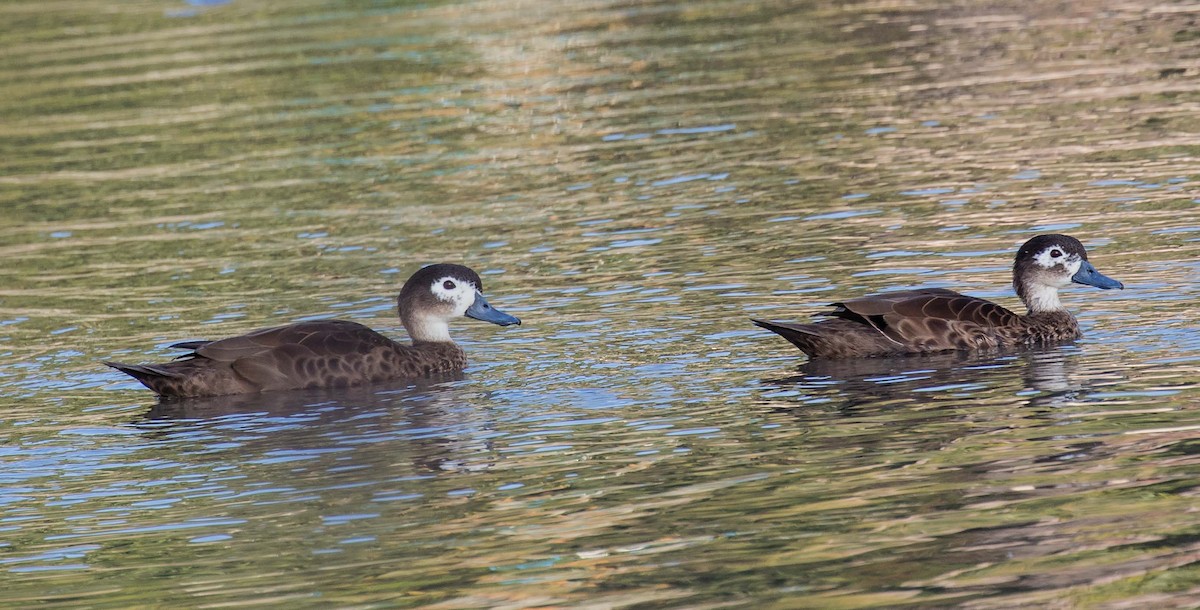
(332,353)
(937,319)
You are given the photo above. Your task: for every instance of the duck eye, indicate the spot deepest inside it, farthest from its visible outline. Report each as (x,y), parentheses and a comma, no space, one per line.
(1055,253)
(448,285)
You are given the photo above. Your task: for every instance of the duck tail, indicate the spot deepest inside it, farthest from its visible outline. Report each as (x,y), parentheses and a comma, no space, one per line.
(803,336)
(156,378)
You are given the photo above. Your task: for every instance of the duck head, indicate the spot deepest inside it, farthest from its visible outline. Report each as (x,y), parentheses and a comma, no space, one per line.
(1048,262)
(439,293)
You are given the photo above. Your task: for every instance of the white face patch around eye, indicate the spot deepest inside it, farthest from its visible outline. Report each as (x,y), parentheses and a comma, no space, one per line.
(458,292)
(1046,259)
(1068,263)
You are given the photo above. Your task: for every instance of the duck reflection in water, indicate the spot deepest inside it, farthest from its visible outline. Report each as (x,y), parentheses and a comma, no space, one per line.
(432,424)
(886,409)
(1037,377)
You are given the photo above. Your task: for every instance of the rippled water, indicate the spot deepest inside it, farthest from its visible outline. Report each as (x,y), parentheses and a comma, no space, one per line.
(635,180)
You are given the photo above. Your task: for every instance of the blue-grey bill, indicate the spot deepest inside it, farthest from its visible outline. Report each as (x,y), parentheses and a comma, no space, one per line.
(1088,275)
(481,310)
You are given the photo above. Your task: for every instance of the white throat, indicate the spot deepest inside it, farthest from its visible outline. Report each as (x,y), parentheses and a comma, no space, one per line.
(1040,298)
(428,329)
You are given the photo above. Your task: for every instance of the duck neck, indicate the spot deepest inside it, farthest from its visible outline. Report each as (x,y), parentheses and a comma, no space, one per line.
(426,329)
(1038,298)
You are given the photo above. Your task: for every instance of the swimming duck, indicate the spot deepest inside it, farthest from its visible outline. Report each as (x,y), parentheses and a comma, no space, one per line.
(332,353)
(936,319)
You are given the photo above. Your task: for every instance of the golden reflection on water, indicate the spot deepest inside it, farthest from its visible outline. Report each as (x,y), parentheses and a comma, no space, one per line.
(634,180)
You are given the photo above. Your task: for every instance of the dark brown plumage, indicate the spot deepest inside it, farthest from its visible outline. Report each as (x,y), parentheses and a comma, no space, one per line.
(332,353)
(936,319)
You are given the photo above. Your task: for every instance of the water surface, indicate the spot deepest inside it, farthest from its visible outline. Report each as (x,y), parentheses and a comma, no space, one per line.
(634,180)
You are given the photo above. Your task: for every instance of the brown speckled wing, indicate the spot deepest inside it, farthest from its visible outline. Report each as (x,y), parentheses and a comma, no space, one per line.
(315,335)
(936,319)
(300,355)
